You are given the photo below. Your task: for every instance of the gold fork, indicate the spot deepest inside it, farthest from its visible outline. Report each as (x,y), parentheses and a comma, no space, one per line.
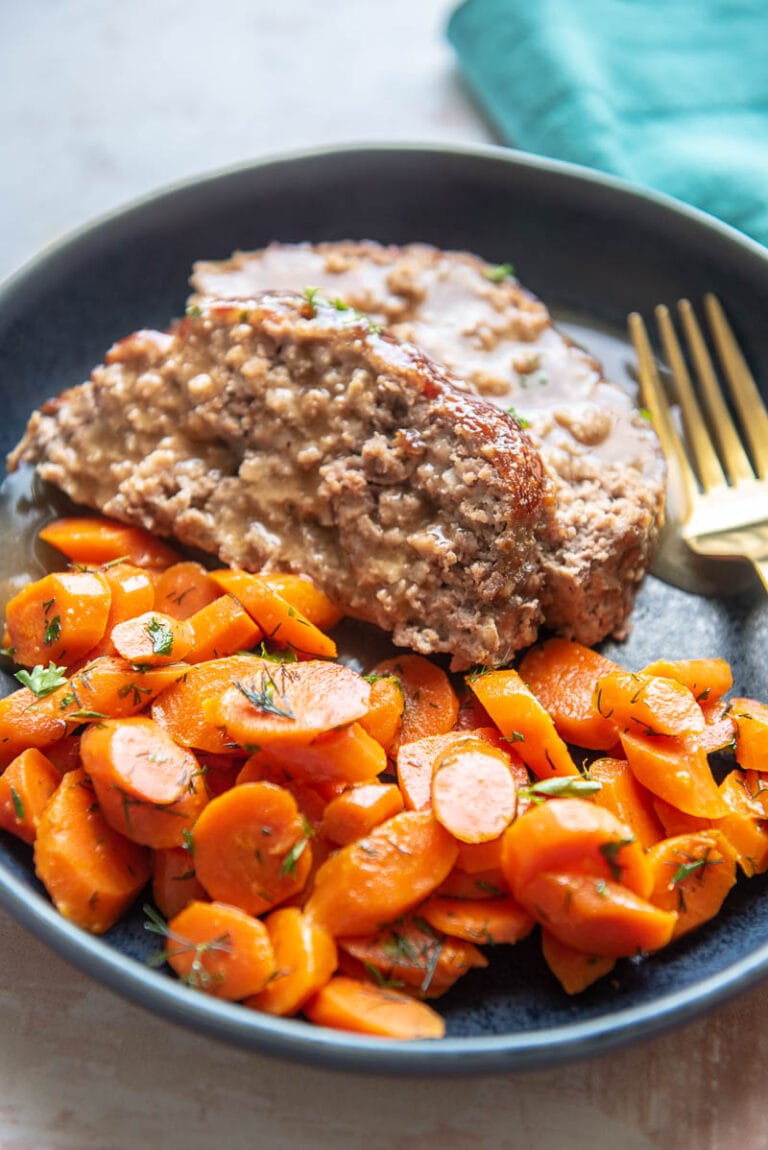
(725,483)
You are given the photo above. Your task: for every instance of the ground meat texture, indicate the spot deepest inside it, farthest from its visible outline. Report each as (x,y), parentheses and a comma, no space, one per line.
(604,460)
(284,433)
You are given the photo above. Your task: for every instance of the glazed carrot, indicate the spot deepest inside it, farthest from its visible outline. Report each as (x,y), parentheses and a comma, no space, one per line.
(382,875)
(416,762)
(26,786)
(430,704)
(179,708)
(473,791)
(221,628)
(281,622)
(311,799)
(60,617)
(385,711)
(411,953)
(305,959)
(485,921)
(291,703)
(597,916)
(707,679)
(346,756)
(521,718)
(676,770)
(573,969)
(745,826)
(97,540)
(751,719)
(251,847)
(91,872)
(350,1004)
(184,588)
(477,857)
(621,793)
(306,597)
(475,884)
(132,593)
(355,812)
(573,835)
(64,753)
(693,873)
(153,639)
(149,788)
(472,714)
(719,732)
(562,674)
(174,882)
(648,704)
(220,950)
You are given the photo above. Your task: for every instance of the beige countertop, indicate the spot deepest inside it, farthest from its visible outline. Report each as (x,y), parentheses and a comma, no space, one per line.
(103,102)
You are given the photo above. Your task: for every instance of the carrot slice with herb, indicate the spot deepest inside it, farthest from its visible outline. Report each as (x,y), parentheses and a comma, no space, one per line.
(26,785)
(280,621)
(382,875)
(350,1004)
(91,872)
(86,539)
(219,949)
(252,847)
(386,705)
(60,617)
(751,719)
(675,769)
(745,825)
(184,588)
(562,674)
(288,702)
(174,882)
(475,884)
(573,835)
(573,969)
(153,639)
(485,921)
(473,791)
(648,704)
(621,793)
(132,593)
(347,756)
(523,720)
(180,708)
(221,628)
(430,704)
(693,873)
(305,959)
(707,679)
(306,597)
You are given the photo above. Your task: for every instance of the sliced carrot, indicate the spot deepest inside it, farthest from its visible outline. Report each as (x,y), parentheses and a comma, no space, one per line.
(133,593)
(621,793)
(180,708)
(60,617)
(521,718)
(288,702)
(280,621)
(355,812)
(416,762)
(26,785)
(745,825)
(306,597)
(252,848)
(477,857)
(693,873)
(648,704)
(430,704)
(311,799)
(472,714)
(385,711)
(707,679)
(65,753)
(347,756)
(473,791)
(174,882)
(220,950)
(305,959)
(573,969)
(382,875)
(485,921)
(719,732)
(411,953)
(221,628)
(562,674)
(152,639)
(149,788)
(573,835)
(751,719)
(98,540)
(597,916)
(350,1004)
(675,769)
(474,884)
(91,872)
(183,589)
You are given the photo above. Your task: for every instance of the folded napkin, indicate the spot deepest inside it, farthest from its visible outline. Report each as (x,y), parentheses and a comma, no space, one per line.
(672,94)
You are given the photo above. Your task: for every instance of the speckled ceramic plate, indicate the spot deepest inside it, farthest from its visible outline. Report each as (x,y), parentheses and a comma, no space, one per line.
(594,249)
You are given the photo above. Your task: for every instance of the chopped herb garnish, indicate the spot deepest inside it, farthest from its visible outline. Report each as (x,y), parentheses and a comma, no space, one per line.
(193,311)
(263,698)
(198,978)
(563,786)
(610,852)
(499,273)
(43,680)
(288,865)
(310,294)
(161,635)
(18,805)
(83,714)
(52,630)
(519,419)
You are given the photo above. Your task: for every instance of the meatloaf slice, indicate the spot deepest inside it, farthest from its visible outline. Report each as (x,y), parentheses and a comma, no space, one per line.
(604,459)
(284,433)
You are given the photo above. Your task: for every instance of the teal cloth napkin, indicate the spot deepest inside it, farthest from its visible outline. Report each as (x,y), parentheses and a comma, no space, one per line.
(671,94)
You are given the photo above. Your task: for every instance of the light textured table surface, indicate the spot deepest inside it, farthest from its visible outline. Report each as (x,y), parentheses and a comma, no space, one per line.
(100,102)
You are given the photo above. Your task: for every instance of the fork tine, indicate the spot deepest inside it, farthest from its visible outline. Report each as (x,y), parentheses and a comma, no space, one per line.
(746,397)
(707,463)
(733,457)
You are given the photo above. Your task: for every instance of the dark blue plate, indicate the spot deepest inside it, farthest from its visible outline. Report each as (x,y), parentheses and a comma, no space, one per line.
(594,249)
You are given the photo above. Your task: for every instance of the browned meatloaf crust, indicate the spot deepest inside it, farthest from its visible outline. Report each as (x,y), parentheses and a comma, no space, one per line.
(283,432)
(604,459)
